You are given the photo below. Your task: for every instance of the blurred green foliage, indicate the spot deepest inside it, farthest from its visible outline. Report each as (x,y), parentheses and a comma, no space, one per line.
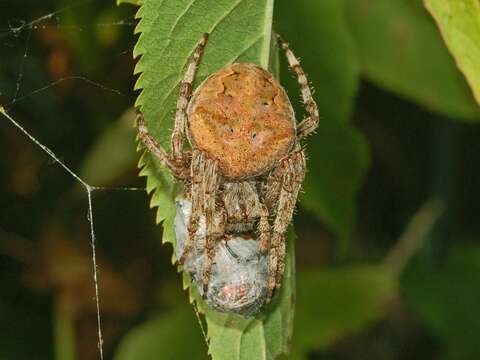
(338,301)
(408,57)
(143,342)
(398,127)
(447,300)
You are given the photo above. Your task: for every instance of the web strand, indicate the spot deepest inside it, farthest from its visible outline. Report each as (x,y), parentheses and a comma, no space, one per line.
(44,148)
(29,27)
(22,65)
(35,23)
(95,271)
(89,189)
(200,323)
(55,83)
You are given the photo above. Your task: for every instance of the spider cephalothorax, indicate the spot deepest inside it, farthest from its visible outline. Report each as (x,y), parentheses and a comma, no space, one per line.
(245,167)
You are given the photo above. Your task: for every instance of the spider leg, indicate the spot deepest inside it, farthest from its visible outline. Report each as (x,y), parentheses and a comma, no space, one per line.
(272,189)
(178,134)
(178,169)
(197,169)
(310,123)
(211,182)
(205,183)
(263,229)
(177,162)
(293,169)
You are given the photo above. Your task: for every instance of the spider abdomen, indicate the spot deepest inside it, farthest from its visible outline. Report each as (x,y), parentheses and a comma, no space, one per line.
(242,117)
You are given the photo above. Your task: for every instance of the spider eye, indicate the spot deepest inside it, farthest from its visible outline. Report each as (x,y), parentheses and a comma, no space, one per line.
(265,103)
(254,135)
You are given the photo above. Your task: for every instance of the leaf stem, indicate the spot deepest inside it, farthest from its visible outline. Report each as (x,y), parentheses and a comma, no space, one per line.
(267,35)
(413,237)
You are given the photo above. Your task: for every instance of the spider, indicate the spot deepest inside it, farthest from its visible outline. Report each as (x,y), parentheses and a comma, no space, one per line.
(245,165)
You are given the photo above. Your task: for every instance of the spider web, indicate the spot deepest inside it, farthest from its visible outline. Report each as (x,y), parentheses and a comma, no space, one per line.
(26,29)
(41,23)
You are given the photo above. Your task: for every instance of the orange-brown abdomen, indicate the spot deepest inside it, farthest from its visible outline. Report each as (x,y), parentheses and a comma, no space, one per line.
(242,117)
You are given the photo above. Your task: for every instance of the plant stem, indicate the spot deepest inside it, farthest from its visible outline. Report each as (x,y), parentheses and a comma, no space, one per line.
(413,237)
(64,332)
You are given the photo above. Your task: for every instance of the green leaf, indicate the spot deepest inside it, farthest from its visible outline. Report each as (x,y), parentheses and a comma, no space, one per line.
(174,335)
(113,153)
(401,51)
(459,23)
(336,302)
(240,31)
(446,298)
(338,154)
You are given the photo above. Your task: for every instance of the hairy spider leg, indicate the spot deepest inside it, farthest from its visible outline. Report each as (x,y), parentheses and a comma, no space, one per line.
(177,169)
(272,189)
(197,170)
(293,170)
(309,124)
(263,229)
(211,183)
(177,162)
(178,134)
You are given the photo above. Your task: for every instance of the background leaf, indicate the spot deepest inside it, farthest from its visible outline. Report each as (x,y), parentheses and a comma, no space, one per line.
(180,338)
(113,153)
(133,2)
(459,23)
(401,51)
(337,302)
(446,297)
(341,159)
